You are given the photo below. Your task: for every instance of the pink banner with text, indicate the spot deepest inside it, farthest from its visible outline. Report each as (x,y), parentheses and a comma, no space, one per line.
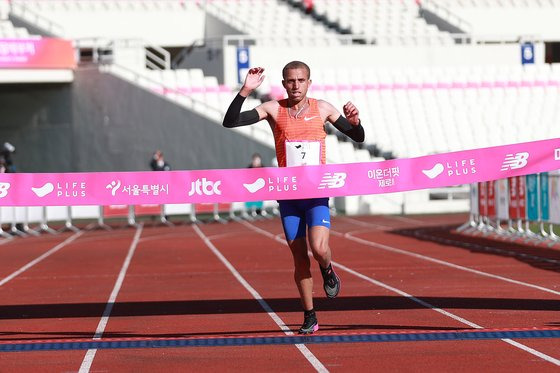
(39,53)
(257,184)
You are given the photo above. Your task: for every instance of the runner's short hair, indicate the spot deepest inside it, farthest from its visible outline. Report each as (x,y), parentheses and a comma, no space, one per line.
(296,65)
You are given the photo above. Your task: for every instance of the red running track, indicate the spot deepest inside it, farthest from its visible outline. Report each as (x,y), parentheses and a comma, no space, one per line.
(399,275)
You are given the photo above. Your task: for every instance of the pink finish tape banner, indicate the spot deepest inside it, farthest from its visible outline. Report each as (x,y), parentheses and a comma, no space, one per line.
(41,53)
(210,186)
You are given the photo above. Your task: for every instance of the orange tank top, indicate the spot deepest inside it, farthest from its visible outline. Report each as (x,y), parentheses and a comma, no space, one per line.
(300,141)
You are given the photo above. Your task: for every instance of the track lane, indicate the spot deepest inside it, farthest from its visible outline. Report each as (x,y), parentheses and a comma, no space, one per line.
(18,253)
(497,302)
(508,267)
(272,288)
(176,286)
(435,355)
(512,262)
(63,297)
(366,265)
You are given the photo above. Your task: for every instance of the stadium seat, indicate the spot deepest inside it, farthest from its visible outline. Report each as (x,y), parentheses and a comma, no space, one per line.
(385,22)
(497,19)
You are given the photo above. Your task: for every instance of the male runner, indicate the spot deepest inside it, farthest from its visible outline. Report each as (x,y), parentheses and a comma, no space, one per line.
(298,125)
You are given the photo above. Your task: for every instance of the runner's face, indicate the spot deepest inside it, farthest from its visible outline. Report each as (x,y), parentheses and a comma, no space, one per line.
(296,82)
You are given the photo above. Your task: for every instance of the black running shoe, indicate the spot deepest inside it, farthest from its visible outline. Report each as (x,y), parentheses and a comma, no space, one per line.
(331,282)
(310,324)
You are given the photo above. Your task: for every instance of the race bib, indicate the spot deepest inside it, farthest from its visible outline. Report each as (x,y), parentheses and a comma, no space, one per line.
(303,153)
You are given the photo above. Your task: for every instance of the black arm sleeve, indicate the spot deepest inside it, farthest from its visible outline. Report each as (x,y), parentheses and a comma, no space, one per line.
(356,133)
(234,118)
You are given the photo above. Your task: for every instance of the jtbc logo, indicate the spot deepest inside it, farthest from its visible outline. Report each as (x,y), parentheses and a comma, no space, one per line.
(206,187)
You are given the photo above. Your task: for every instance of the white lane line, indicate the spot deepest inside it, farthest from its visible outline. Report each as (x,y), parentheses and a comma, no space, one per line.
(487,248)
(319,367)
(90,354)
(406,220)
(442,262)
(523,347)
(276,237)
(364,224)
(6,240)
(41,257)
(223,235)
(423,303)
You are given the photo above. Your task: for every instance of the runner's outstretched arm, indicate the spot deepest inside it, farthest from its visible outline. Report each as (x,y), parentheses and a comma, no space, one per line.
(234,117)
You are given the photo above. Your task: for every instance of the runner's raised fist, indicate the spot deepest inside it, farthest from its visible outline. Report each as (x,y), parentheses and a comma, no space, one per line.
(351,113)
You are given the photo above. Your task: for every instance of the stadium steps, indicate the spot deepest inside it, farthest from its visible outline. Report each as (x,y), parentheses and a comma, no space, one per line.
(321,18)
(272,22)
(380,22)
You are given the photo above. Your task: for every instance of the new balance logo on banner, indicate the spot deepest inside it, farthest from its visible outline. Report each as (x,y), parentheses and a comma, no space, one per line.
(515,161)
(4,189)
(333,180)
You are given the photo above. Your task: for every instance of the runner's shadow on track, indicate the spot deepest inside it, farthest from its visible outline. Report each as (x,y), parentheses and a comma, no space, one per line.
(536,256)
(250,306)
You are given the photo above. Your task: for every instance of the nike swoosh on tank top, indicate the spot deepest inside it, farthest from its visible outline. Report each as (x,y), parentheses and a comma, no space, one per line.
(307,129)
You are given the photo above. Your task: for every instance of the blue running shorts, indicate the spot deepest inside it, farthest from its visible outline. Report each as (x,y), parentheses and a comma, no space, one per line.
(296,214)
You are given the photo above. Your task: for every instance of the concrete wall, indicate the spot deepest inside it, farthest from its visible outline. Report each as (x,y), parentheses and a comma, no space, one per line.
(215,28)
(125,124)
(210,56)
(37,120)
(102,123)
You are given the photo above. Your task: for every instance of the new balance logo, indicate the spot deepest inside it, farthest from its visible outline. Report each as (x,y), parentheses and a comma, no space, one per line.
(4,189)
(515,161)
(557,154)
(205,187)
(333,180)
